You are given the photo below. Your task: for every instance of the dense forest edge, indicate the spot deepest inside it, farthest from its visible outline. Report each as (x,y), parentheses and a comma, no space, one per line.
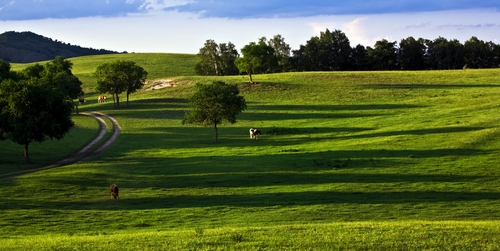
(332,51)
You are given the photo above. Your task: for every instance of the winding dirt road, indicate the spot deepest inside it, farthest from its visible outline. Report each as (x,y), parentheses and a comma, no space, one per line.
(86,151)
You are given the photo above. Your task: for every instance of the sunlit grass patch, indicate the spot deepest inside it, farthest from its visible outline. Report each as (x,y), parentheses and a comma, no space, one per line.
(411,235)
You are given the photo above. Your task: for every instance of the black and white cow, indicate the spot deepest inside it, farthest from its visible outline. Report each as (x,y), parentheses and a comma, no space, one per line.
(254,133)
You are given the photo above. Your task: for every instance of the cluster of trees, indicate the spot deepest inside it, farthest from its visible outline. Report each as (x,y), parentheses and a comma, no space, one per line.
(36,103)
(264,56)
(217,59)
(331,51)
(120,76)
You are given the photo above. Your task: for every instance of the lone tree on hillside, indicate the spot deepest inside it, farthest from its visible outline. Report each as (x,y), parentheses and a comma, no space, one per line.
(120,76)
(38,113)
(214,104)
(257,58)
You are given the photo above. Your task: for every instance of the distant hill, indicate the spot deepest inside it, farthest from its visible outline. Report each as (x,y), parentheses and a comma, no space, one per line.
(27,47)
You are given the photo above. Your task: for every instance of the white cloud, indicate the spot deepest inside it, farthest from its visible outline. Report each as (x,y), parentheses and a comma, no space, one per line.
(356,31)
(419,25)
(6,5)
(156,5)
(318,27)
(462,27)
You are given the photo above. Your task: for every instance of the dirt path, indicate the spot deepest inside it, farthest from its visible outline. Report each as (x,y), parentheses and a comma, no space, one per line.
(116,131)
(85,152)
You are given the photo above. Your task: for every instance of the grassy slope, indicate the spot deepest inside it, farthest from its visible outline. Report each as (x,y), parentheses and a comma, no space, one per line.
(407,155)
(158,65)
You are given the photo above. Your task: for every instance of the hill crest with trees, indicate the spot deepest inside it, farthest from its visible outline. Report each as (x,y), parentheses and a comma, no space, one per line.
(28,47)
(332,51)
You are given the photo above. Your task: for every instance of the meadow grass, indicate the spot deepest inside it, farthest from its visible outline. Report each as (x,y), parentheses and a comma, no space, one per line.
(158,65)
(333,236)
(347,160)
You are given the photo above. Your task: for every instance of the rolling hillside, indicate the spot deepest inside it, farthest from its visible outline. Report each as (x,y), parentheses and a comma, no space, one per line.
(25,47)
(347,161)
(158,66)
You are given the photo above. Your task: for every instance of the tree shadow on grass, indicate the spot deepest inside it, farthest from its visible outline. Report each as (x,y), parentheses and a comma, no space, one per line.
(325,108)
(224,173)
(419,132)
(431,86)
(156,108)
(158,103)
(199,137)
(258,112)
(152,108)
(164,183)
(280,160)
(257,200)
(313,198)
(261,116)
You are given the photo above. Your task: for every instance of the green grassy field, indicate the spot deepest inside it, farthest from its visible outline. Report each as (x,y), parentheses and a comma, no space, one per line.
(347,161)
(158,65)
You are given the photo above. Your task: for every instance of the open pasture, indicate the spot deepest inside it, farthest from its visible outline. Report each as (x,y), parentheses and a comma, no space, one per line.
(158,65)
(347,160)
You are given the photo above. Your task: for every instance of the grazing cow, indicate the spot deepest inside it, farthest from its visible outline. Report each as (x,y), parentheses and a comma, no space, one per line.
(101,98)
(254,133)
(81,100)
(113,189)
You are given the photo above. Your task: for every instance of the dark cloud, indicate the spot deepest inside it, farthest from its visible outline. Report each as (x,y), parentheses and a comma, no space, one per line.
(41,9)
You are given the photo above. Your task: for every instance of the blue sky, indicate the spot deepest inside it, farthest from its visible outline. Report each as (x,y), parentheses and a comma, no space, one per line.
(301,8)
(184,25)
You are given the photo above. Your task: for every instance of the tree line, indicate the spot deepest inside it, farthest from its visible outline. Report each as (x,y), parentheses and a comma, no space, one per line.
(120,76)
(331,51)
